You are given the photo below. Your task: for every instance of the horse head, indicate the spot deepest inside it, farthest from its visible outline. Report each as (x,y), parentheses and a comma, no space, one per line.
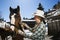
(15,17)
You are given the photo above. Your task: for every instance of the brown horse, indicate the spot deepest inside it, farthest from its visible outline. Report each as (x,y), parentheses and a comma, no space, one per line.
(15,20)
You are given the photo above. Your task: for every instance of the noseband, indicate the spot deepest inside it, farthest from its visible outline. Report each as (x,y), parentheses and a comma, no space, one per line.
(12,25)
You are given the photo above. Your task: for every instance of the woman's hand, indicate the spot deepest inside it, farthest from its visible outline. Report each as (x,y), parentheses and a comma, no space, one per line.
(33,30)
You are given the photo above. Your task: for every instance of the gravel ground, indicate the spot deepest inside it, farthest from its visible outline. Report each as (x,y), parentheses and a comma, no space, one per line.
(47,38)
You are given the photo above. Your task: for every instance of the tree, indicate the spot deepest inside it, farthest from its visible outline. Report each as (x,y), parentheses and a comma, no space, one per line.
(0,14)
(1,18)
(40,7)
(56,6)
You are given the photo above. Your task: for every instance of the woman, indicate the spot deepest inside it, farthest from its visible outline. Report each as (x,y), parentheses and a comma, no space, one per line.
(39,29)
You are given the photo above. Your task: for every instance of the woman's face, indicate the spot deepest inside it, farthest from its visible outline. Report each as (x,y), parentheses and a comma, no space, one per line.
(37,19)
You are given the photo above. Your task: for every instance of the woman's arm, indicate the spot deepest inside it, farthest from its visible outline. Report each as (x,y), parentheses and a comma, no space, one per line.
(25,25)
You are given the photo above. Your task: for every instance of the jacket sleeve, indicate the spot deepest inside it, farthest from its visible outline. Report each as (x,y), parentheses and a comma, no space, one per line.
(40,32)
(33,29)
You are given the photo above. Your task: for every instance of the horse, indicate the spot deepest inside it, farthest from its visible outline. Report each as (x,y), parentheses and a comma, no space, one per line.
(15,22)
(14,27)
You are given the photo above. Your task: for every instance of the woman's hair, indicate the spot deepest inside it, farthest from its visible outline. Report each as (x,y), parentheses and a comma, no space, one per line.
(42,19)
(44,22)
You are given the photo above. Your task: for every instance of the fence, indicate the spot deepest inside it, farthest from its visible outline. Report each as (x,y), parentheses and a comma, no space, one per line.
(54,25)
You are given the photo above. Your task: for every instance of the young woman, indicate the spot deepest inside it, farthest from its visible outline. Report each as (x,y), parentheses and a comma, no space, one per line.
(39,29)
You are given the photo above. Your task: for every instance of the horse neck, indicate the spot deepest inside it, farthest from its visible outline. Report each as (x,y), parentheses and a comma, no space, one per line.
(17,22)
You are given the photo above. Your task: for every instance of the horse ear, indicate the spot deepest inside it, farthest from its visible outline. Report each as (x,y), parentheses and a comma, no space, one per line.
(10,8)
(18,8)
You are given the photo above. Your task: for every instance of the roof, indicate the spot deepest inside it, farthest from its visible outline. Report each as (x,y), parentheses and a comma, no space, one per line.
(28,20)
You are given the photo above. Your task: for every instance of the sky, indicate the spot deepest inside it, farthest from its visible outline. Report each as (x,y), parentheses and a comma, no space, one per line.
(27,7)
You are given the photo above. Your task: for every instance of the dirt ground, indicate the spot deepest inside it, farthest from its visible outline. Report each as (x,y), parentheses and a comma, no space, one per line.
(47,38)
